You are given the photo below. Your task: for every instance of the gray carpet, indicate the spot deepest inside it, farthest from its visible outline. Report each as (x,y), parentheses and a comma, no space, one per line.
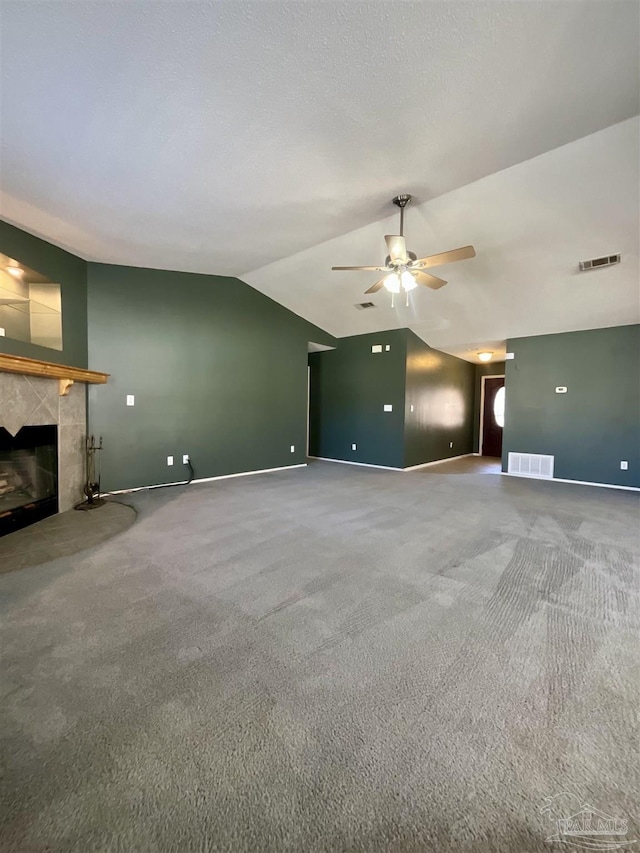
(62,535)
(328,659)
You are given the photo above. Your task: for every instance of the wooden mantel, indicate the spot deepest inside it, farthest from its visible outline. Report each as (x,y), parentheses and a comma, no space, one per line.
(48,369)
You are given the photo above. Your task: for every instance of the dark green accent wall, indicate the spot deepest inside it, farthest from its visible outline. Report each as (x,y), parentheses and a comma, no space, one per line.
(492,369)
(68,271)
(349,389)
(596,424)
(350,386)
(441,389)
(218,370)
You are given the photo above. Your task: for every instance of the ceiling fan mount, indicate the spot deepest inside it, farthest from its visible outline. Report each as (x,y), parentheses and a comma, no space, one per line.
(402,200)
(404,270)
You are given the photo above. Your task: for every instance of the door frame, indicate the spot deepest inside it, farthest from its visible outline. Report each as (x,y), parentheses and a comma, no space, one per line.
(308,407)
(482,379)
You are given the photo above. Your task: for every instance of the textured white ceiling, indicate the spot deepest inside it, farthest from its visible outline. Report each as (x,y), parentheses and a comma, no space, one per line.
(530,225)
(219,137)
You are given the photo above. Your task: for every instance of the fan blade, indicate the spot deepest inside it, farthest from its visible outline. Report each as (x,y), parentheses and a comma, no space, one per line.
(444,258)
(429,280)
(376,287)
(397,248)
(370,269)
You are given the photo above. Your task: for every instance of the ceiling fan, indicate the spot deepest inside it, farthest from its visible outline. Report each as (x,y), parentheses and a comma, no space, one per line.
(403,270)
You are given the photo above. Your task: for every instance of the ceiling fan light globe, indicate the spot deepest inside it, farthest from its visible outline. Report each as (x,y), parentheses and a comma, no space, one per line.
(408,281)
(392,283)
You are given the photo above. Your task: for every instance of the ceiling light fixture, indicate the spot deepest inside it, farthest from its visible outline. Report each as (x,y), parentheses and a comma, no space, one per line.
(408,281)
(16,272)
(397,280)
(392,283)
(485,356)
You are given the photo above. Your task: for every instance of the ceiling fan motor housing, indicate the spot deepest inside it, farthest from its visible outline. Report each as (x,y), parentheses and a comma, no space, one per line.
(410,255)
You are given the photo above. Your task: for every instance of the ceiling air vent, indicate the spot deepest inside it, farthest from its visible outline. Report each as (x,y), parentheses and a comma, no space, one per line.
(594,263)
(362,305)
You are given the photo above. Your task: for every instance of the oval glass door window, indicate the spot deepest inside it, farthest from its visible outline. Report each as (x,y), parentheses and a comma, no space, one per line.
(498,407)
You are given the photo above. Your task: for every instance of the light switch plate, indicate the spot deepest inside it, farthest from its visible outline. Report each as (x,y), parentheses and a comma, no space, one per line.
(388,407)
(131,400)
(354,446)
(387,348)
(169,460)
(624,465)
(2,332)
(412,407)
(561,389)
(376,348)
(509,355)
(293,448)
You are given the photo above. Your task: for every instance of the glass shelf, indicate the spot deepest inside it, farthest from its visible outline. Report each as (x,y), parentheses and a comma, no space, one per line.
(25,304)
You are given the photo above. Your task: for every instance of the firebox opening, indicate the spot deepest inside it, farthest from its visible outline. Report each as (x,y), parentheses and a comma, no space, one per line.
(28,476)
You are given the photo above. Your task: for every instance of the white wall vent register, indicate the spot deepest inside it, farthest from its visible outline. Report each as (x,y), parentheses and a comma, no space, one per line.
(531,465)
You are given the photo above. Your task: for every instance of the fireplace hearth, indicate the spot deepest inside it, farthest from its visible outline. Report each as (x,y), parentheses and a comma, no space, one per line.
(28,476)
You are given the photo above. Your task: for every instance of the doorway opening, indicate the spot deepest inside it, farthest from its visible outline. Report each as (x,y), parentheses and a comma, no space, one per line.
(492,398)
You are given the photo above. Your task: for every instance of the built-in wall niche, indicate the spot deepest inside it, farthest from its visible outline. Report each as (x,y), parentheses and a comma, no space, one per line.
(30,305)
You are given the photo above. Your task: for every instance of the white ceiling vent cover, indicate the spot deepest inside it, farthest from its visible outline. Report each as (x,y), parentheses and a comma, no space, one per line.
(531,465)
(595,263)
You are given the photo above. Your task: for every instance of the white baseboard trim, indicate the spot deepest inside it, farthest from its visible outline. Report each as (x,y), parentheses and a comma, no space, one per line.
(574,482)
(359,464)
(387,467)
(206,479)
(438,461)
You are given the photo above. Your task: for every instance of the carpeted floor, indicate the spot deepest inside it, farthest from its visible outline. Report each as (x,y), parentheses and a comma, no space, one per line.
(62,535)
(467,465)
(328,659)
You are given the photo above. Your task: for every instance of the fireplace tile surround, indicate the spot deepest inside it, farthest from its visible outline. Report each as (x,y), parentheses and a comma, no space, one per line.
(36,401)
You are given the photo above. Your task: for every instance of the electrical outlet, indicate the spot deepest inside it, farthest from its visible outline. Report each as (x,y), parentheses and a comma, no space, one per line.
(387,348)
(185,458)
(354,446)
(131,400)
(169,460)
(450,444)
(624,465)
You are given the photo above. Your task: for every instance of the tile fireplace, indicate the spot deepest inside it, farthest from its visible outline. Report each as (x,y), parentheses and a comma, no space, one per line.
(43,427)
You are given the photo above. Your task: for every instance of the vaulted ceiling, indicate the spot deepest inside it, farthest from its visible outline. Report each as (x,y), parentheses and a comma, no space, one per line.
(239,138)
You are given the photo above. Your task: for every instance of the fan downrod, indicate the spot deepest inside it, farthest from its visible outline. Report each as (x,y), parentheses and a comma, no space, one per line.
(402,201)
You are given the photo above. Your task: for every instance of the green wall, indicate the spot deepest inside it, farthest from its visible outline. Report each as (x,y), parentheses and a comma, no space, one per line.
(68,271)
(596,424)
(493,368)
(349,388)
(218,370)
(440,388)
